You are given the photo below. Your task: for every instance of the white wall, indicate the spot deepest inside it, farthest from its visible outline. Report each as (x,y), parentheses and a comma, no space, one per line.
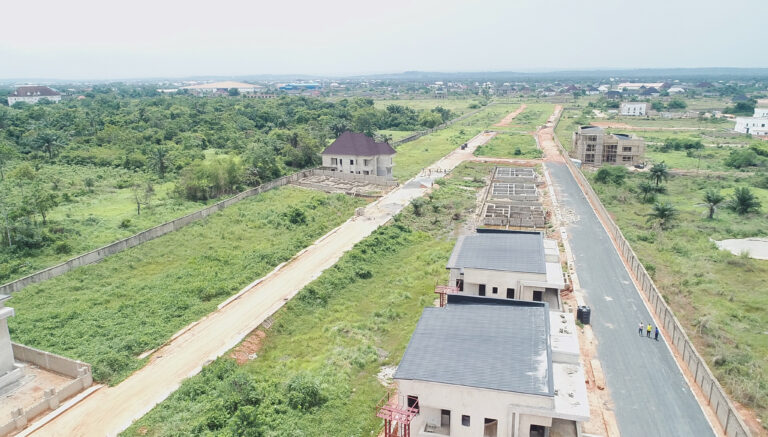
(761,112)
(637,109)
(521,282)
(379,165)
(31,99)
(478,404)
(752,125)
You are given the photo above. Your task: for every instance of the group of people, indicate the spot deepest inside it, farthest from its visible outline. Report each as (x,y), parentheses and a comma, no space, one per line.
(648,330)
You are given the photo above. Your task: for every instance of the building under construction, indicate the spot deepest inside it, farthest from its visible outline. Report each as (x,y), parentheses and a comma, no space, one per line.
(512,201)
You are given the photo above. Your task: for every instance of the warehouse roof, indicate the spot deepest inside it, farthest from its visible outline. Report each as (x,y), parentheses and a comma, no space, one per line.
(495,344)
(507,251)
(31,91)
(357,144)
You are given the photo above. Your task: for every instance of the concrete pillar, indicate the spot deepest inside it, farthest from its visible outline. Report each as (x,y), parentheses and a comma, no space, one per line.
(6,351)
(19,418)
(50,396)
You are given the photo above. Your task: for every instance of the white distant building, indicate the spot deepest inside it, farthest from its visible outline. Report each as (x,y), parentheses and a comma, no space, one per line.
(489,367)
(755,125)
(634,108)
(223,87)
(631,86)
(33,94)
(676,90)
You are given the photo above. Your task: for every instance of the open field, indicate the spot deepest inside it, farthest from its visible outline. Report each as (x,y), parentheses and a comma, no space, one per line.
(510,145)
(109,313)
(97,206)
(412,157)
(534,115)
(315,373)
(459,106)
(395,134)
(715,294)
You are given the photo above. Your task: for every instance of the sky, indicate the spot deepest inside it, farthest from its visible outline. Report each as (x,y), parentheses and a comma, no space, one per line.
(117,39)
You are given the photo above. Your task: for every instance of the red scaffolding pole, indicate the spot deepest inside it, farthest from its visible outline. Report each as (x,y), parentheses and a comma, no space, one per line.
(397,412)
(444,291)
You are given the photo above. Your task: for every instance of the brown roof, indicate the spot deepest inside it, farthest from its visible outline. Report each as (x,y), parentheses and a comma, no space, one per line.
(30,91)
(353,143)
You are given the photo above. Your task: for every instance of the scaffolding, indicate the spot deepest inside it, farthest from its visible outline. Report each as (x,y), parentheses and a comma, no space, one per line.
(444,291)
(398,412)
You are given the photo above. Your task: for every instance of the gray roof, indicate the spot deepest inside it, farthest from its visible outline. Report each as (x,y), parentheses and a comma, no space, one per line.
(507,251)
(357,144)
(495,344)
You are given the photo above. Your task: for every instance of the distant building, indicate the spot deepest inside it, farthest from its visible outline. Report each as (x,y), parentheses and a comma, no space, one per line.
(676,90)
(359,154)
(511,265)
(755,125)
(613,95)
(593,146)
(650,92)
(634,109)
(33,94)
(489,367)
(635,86)
(590,91)
(299,86)
(223,88)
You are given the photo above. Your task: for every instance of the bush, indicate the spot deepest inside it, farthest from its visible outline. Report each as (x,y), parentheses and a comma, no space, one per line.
(304,393)
(63,248)
(681,144)
(742,158)
(611,173)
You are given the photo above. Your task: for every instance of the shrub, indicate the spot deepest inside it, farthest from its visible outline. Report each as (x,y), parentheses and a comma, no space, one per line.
(304,393)
(611,173)
(63,248)
(742,158)
(125,223)
(744,201)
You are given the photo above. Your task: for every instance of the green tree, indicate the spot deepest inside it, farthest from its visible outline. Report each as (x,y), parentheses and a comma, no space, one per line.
(160,160)
(611,173)
(647,189)
(742,158)
(712,199)
(677,104)
(744,201)
(43,200)
(233,92)
(7,153)
(418,206)
(663,213)
(47,141)
(659,173)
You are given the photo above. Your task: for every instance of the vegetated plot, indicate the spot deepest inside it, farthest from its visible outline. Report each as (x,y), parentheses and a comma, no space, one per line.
(396,135)
(459,106)
(672,123)
(413,156)
(716,295)
(96,206)
(510,145)
(108,313)
(316,373)
(535,115)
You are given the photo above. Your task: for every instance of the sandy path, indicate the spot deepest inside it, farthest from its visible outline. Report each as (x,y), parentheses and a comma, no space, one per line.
(110,410)
(511,116)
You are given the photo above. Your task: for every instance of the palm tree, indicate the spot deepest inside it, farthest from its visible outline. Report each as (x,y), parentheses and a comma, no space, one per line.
(744,201)
(647,189)
(712,198)
(659,173)
(48,141)
(663,212)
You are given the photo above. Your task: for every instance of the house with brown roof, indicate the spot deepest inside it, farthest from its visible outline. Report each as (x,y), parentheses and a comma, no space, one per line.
(33,94)
(358,153)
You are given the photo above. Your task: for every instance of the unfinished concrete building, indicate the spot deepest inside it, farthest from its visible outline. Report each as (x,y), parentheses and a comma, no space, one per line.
(492,368)
(593,146)
(515,265)
(513,200)
(10,371)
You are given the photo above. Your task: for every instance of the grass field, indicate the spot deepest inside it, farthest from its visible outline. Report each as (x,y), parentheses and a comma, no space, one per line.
(91,217)
(459,106)
(709,158)
(108,313)
(395,134)
(412,157)
(316,372)
(534,115)
(716,295)
(510,145)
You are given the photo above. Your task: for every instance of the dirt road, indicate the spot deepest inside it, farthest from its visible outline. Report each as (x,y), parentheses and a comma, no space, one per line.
(511,116)
(110,410)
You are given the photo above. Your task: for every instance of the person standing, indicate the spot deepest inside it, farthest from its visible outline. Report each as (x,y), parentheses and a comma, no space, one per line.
(656,334)
(648,331)
(640,329)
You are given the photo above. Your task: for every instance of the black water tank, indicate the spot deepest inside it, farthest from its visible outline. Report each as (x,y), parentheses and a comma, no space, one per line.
(586,314)
(579,313)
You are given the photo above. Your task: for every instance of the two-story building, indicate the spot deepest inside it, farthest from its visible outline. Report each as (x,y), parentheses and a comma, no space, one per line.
(593,146)
(358,153)
(517,265)
(489,368)
(33,94)
(755,125)
(634,109)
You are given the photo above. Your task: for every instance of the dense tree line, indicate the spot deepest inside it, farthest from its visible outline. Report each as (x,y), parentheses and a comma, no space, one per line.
(208,146)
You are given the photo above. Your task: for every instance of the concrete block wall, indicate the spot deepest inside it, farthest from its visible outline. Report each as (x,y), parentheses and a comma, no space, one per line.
(718,399)
(51,399)
(144,236)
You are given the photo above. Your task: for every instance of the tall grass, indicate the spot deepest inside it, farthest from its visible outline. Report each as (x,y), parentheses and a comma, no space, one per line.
(108,313)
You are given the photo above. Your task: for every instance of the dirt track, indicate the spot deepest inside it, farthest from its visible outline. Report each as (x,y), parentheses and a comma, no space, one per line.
(110,410)
(511,116)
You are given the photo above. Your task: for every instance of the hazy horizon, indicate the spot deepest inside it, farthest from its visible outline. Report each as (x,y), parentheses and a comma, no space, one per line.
(90,40)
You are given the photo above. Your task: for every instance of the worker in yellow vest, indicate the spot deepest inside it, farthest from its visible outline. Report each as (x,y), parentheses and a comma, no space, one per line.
(648,331)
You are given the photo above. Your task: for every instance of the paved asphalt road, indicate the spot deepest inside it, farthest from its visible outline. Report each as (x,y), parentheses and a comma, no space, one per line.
(651,396)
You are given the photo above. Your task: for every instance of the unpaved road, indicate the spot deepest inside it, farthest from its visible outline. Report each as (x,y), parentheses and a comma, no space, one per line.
(511,116)
(110,410)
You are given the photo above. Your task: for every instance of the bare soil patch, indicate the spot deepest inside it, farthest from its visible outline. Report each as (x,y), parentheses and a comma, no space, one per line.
(247,350)
(511,116)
